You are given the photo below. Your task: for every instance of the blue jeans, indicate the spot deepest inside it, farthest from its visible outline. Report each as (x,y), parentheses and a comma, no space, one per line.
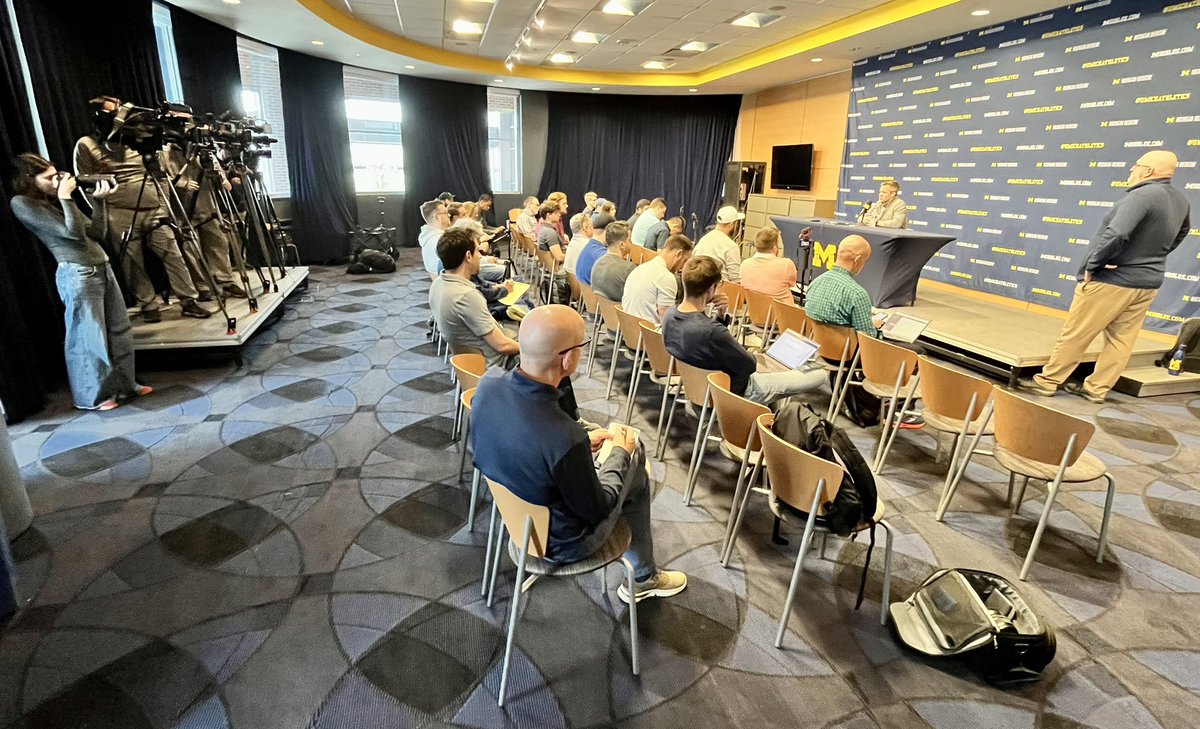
(773,382)
(99,346)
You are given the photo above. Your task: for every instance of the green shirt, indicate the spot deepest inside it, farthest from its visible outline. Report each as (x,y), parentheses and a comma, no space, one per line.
(836,298)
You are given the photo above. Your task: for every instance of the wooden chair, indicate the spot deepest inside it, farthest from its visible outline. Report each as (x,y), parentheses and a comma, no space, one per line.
(576,290)
(839,354)
(760,310)
(693,388)
(661,371)
(468,368)
(514,213)
(889,373)
(718,387)
(532,523)
(808,483)
(631,337)
(790,316)
(547,268)
(640,254)
(737,298)
(1039,442)
(468,396)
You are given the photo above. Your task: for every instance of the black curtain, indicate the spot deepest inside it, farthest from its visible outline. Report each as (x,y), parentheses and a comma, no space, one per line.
(630,147)
(318,151)
(79,50)
(208,63)
(31,333)
(445,145)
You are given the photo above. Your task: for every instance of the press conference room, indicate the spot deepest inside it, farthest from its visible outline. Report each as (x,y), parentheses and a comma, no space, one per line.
(600,363)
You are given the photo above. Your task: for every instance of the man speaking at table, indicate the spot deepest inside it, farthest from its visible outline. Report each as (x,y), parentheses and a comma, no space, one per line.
(889,211)
(1119,278)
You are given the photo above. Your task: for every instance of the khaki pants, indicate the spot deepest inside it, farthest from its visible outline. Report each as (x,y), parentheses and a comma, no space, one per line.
(158,239)
(1115,311)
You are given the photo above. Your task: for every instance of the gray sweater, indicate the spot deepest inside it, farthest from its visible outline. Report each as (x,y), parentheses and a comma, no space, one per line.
(1145,225)
(64,229)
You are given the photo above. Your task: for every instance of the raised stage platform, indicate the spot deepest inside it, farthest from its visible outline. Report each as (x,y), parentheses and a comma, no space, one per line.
(176,332)
(1008,342)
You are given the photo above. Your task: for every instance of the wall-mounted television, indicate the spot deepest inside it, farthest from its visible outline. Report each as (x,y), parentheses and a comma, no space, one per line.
(791,167)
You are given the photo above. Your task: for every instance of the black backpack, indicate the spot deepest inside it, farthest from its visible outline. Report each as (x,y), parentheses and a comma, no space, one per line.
(370,260)
(1189,336)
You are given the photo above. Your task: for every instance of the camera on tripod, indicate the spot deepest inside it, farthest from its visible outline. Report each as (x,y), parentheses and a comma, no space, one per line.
(147,130)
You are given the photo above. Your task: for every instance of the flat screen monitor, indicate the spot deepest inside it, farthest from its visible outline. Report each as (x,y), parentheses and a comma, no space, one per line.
(791,167)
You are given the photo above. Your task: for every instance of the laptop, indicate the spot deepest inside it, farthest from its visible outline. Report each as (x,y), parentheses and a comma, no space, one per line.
(792,350)
(903,328)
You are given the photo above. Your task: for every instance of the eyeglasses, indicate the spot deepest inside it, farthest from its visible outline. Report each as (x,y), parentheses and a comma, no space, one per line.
(581,345)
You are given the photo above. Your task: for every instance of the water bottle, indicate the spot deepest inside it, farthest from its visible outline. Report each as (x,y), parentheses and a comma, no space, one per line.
(1175,366)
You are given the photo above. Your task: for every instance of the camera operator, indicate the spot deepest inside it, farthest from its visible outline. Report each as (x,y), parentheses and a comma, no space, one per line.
(136,197)
(99,347)
(195,185)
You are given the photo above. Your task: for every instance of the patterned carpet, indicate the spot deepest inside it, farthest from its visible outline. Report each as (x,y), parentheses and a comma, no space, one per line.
(285,546)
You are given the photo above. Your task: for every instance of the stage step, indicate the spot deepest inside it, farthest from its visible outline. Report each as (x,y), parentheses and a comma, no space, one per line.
(1151,381)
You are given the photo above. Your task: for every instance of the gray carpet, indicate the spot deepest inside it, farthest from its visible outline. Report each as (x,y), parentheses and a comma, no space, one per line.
(285,546)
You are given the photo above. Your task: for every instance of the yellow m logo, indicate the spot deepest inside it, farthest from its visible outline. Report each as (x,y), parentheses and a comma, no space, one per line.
(824,255)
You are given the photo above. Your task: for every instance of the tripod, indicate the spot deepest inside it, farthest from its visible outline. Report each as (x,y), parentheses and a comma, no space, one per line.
(223,215)
(805,249)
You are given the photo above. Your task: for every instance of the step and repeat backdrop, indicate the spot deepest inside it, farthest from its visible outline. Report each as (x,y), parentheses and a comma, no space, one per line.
(1018,138)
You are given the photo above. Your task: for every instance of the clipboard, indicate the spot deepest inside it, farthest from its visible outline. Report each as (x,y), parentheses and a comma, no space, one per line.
(518,291)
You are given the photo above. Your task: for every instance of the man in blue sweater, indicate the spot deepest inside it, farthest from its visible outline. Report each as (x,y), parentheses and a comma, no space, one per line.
(1119,279)
(523,438)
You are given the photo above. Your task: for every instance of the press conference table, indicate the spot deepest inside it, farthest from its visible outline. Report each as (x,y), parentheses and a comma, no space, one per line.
(897,256)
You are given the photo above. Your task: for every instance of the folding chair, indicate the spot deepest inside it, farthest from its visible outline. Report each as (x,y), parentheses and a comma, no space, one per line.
(468,368)
(661,371)
(889,373)
(839,354)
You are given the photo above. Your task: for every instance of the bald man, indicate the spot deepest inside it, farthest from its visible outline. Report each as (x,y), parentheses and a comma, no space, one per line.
(835,298)
(1119,279)
(524,439)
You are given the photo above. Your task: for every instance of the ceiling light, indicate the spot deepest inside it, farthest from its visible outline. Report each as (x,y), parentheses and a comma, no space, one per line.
(657,65)
(755,20)
(697,46)
(818,59)
(508,65)
(624,7)
(595,88)
(232,2)
(466,27)
(498,80)
(410,68)
(318,43)
(561,58)
(540,22)
(692,91)
(981,12)
(582,36)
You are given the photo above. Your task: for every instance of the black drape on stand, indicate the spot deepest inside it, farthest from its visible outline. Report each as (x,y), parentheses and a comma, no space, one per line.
(79,50)
(318,149)
(445,145)
(630,147)
(208,63)
(31,327)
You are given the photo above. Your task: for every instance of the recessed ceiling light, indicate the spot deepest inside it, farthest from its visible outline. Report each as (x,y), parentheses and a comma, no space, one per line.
(498,80)
(466,27)
(318,43)
(595,88)
(410,67)
(692,91)
(755,20)
(981,12)
(697,46)
(624,7)
(818,59)
(561,58)
(232,2)
(583,36)
(657,65)
(777,8)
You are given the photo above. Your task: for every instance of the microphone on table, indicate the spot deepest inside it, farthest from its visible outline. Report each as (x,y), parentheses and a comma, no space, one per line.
(862,213)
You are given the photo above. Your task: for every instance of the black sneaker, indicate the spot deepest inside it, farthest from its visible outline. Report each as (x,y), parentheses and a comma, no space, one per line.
(151,316)
(911,422)
(194,310)
(234,291)
(204,296)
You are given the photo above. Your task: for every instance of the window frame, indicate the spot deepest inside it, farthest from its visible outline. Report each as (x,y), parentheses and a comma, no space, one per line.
(517,142)
(392,138)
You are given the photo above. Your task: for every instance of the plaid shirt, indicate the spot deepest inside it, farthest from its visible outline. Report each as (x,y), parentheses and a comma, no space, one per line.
(836,298)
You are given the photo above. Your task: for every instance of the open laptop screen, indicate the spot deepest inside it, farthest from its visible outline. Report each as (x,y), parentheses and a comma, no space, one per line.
(792,350)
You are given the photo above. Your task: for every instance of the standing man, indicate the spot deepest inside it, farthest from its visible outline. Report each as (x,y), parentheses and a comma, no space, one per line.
(718,243)
(887,212)
(1119,278)
(437,220)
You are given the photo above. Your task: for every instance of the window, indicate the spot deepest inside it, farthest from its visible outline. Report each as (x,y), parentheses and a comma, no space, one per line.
(262,100)
(373,117)
(504,139)
(167,57)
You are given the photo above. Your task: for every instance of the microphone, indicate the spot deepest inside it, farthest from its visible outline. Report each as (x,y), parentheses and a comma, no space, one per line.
(862,213)
(681,211)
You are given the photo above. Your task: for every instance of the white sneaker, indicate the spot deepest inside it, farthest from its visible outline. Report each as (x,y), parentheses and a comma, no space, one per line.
(663,584)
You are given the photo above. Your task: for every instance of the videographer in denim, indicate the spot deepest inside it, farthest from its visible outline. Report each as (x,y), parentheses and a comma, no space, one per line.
(99,348)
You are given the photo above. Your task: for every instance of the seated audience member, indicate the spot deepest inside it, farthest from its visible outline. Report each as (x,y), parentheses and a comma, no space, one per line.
(493,289)
(595,248)
(483,210)
(454,211)
(437,220)
(523,438)
(446,197)
(605,207)
(719,245)
(653,214)
(459,309)
(581,233)
(548,237)
(651,288)
(661,230)
(835,298)
(589,202)
(490,268)
(527,220)
(561,199)
(640,208)
(613,269)
(692,336)
(767,271)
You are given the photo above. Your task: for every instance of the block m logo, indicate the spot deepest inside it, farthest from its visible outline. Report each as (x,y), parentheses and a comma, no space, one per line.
(824,255)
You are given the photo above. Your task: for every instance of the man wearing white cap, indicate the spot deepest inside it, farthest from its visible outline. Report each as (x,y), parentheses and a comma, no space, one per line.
(718,244)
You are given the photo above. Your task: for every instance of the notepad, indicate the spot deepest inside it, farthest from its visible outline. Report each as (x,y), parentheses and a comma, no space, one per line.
(903,328)
(518,291)
(792,350)
(607,448)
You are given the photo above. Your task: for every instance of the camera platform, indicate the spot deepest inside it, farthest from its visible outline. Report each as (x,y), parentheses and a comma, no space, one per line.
(177,332)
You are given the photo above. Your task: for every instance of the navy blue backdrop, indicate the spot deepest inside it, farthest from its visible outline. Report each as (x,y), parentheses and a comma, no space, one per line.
(1018,138)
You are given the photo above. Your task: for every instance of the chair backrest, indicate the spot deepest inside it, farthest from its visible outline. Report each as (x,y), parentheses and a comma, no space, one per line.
(608,312)
(759,308)
(655,349)
(736,295)
(631,332)
(589,297)
(640,254)
(1037,432)
(947,392)
(833,340)
(514,510)
(546,259)
(513,214)
(794,473)
(735,415)
(881,361)
(576,288)
(790,316)
(468,368)
(468,396)
(695,381)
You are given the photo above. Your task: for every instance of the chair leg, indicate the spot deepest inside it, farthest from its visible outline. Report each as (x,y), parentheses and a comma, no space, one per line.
(741,512)
(804,544)
(497,551)
(592,346)
(466,435)
(515,611)
(824,543)
(487,555)
(474,500)
(695,473)
(743,469)
(961,468)
(1108,502)
(1016,507)
(697,450)
(1012,477)
(662,442)
(1051,495)
(895,428)
(634,379)
(633,619)
(612,364)
(604,580)
(887,573)
(662,409)
(458,410)
(885,426)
